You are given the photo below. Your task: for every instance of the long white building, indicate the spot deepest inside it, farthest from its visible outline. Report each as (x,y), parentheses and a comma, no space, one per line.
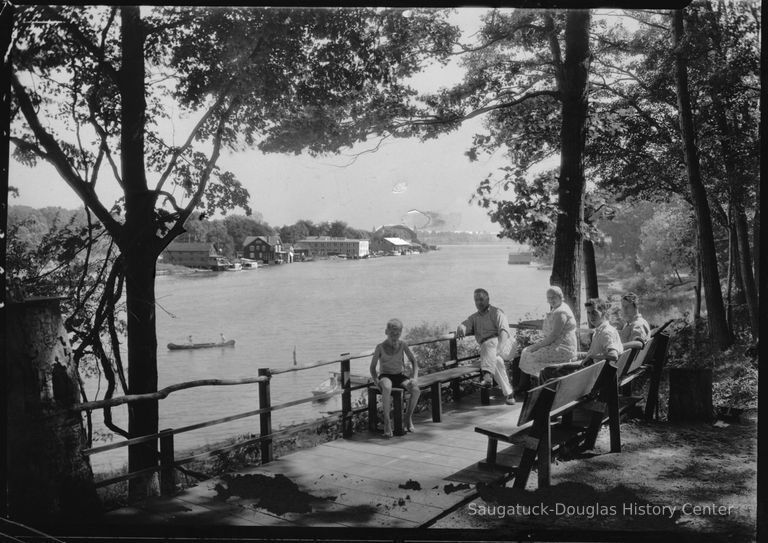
(328,246)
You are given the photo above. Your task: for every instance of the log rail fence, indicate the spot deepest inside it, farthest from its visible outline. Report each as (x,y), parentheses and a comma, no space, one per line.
(164,440)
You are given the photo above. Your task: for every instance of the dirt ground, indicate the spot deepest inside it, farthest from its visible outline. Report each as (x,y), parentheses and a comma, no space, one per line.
(690,480)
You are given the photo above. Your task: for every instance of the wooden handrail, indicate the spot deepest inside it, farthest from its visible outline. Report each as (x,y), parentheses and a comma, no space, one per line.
(205,454)
(347,356)
(153,437)
(160,394)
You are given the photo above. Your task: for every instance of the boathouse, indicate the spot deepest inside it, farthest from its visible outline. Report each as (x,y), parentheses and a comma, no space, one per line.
(301,252)
(395,246)
(194,255)
(396,231)
(268,249)
(328,246)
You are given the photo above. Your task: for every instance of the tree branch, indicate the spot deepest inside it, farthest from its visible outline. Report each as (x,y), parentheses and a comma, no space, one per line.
(28,146)
(55,156)
(535,94)
(178,227)
(81,38)
(554,47)
(104,147)
(180,150)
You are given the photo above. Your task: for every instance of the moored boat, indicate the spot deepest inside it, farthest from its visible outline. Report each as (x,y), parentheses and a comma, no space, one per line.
(208,345)
(333,383)
(520,258)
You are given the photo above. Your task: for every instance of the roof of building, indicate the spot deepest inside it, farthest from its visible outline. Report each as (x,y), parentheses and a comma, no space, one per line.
(269,240)
(327,238)
(188,246)
(394,228)
(398,241)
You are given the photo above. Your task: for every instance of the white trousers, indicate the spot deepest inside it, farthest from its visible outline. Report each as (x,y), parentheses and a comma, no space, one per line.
(492,362)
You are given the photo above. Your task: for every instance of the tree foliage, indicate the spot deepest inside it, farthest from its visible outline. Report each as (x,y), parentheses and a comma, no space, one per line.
(91,87)
(668,241)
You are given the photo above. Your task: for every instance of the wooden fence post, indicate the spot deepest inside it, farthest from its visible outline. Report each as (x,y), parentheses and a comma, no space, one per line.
(265,419)
(167,468)
(346,399)
(453,349)
(659,355)
(453,354)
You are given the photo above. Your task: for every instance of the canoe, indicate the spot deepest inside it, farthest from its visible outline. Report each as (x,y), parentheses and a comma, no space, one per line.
(180,346)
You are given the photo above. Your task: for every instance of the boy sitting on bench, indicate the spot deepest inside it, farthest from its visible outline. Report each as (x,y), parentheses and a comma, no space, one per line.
(391,353)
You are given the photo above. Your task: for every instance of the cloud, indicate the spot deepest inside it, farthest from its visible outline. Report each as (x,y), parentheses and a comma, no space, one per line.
(432,220)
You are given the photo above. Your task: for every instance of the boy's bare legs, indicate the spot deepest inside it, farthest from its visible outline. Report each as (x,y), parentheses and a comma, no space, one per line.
(413,399)
(385,385)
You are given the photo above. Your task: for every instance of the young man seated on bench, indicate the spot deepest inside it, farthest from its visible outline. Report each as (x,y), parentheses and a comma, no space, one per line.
(490,327)
(606,343)
(636,331)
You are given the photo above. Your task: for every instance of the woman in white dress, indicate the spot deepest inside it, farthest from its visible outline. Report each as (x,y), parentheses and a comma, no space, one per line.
(559,343)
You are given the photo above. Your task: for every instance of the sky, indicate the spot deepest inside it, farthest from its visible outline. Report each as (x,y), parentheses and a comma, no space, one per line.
(374,189)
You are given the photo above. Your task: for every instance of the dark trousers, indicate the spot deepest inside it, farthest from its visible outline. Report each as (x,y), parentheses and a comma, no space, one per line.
(559,370)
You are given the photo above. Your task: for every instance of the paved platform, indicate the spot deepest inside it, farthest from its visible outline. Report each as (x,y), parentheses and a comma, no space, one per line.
(365,481)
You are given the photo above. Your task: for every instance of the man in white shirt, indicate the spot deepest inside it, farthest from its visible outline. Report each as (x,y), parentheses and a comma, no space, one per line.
(490,327)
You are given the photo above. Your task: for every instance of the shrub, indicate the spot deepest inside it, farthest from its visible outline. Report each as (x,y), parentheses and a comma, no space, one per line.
(738,391)
(641,284)
(431,356)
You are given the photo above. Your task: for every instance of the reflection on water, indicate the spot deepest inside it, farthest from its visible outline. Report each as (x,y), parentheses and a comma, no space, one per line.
(321,309)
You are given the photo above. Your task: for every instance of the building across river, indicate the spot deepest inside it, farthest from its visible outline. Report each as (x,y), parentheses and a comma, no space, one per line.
(328,246)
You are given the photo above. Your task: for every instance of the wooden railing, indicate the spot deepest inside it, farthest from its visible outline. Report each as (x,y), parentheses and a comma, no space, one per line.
(167,461)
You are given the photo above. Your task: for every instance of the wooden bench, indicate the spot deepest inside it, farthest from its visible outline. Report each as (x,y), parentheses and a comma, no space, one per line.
(632,364)
(453,375)
(648,361)
(545,422)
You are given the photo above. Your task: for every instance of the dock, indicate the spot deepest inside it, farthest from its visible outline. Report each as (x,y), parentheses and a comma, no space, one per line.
(408,481)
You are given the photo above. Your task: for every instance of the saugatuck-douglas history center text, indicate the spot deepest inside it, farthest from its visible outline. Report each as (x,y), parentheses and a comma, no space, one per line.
(597,510)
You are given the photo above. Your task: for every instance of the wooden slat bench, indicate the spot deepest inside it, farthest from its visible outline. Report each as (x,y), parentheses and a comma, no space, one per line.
(433,382)
(632,364)
(545,424)
(647,361)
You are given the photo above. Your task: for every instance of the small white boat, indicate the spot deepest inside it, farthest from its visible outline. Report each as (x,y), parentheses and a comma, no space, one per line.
(234,266)
(249,264)
(333,383)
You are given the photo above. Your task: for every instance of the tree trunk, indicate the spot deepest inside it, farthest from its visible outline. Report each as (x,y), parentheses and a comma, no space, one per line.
(711,280)
(49,479)
(745,267)
(739,299)
(138,247)
(697,289)
(690,395)
(566,269)
(756,232)
(590,269)
(731,260)
(738,228)
(142,363)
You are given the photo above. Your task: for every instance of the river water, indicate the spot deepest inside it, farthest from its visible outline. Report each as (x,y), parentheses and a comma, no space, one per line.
(321,309)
